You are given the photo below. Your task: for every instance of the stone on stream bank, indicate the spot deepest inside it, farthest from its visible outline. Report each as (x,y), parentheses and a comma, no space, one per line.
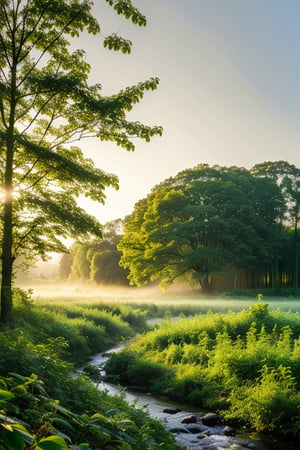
(189,419)
(171,410)
(211,419)
(230,431)
(204,431)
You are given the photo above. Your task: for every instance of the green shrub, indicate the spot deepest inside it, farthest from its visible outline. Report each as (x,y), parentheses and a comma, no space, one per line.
(120,315)
(272,403)
(147,373)
(86,330)
(118,365)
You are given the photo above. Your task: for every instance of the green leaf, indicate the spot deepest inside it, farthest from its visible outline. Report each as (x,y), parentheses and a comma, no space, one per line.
(112,412)
(52,443)
(12,409)
(63,422)
(5,395)
(63,410)
(12,440)
(23,433)
(18,376)
(6,426)
(19,390)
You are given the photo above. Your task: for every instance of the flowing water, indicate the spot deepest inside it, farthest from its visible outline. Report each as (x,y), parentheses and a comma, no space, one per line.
(193,436)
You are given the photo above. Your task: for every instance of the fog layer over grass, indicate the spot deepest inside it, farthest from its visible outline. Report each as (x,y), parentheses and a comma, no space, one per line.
(175,299)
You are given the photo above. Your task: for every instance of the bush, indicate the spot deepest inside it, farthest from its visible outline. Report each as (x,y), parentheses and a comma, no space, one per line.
(87,330)
(118,364)
(147,373)
(272,403)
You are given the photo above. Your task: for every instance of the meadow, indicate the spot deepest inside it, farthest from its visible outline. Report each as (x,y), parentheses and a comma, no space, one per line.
(153,299)
(238,356)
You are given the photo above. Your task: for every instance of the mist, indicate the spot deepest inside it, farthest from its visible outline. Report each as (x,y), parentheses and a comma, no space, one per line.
(47,288)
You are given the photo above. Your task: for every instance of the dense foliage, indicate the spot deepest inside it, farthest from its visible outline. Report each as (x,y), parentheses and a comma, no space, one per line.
(43,405)
(245,364)
(46,105)
(220,227)
(96,260)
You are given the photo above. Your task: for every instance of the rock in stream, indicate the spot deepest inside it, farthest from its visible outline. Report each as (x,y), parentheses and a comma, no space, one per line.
(199,431)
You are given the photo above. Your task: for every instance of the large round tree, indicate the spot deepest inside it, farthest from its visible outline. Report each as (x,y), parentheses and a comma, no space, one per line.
(203,224)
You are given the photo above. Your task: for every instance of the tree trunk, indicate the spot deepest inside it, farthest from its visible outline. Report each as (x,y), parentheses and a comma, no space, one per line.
(7,257)
(296,253)
(6,289)
(205,284)
(7,238)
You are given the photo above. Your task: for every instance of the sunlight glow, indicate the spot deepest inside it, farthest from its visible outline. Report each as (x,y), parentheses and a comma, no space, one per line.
(6,195)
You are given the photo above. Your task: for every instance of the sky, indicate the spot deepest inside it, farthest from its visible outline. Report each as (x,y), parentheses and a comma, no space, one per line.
(229,92)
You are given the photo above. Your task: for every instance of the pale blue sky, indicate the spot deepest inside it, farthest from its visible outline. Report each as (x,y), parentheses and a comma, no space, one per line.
(229,90)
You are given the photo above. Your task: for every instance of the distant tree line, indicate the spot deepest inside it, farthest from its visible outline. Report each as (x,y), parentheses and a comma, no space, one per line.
(96,260)
(217,227)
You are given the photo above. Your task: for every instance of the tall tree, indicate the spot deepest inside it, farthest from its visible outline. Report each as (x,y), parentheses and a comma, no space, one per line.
(287,176)
(46,104)
(202,224)
(80,268)
(105,257)
(64,266)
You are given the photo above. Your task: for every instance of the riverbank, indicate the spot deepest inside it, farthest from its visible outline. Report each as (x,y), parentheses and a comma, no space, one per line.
(243,365)
(185,421)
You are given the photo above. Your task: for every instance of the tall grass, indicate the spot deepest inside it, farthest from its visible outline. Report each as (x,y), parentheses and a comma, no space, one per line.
(86,328)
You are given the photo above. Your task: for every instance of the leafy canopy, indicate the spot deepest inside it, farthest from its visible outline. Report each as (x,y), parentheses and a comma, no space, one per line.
(205,222)
(46,105)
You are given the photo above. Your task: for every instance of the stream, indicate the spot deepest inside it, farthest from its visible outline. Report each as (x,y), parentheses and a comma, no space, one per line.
(174,415)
